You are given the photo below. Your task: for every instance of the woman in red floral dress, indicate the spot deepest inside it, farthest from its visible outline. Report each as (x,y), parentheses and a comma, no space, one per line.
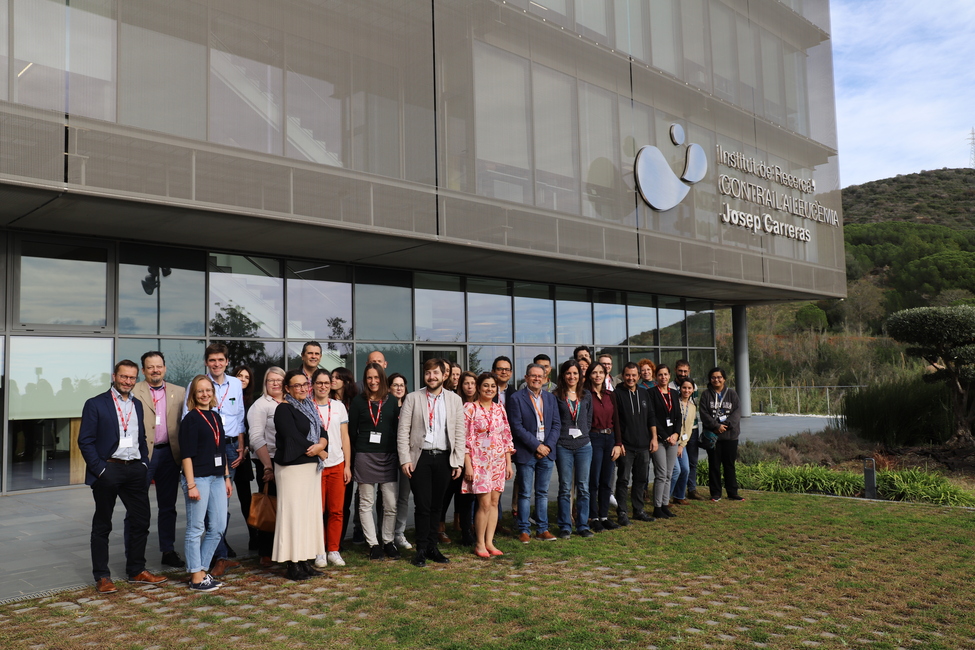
(487,463)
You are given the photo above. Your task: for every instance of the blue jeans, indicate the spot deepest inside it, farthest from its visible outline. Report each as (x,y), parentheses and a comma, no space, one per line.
(533,478)
(678,481)
(569,462)
(221,552)
(211,506)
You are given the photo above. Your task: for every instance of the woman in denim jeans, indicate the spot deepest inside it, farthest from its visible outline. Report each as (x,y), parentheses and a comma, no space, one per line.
(574,454)
(206,481)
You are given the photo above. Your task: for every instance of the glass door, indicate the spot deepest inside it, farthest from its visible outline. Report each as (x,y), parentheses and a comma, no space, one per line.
(452,353)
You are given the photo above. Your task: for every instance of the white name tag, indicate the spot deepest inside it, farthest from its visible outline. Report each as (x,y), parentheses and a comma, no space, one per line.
(670,422)
(722,418)
(218,461)
(575,433)
(375,437)
(126,443)
(223,421)
(158,420)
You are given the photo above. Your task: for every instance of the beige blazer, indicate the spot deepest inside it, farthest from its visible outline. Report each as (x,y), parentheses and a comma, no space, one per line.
(175,396)
(413,427)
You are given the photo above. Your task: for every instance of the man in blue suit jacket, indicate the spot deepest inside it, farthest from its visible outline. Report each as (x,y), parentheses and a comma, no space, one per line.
(112,440)
(534,418)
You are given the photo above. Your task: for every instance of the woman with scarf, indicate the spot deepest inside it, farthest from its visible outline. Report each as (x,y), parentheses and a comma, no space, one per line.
(299,457)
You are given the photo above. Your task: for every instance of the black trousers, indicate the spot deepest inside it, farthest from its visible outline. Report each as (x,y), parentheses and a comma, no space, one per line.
(165,472)
(637,464)
(723,457)
(128,483)
(429,486)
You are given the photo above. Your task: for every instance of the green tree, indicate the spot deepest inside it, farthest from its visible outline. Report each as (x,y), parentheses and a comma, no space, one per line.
(811,317)
(945,338)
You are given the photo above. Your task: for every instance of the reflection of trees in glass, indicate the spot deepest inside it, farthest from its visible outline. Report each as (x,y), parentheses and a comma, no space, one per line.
(181,367)
(474,363)
(649,337)
(337,325)
(233,320)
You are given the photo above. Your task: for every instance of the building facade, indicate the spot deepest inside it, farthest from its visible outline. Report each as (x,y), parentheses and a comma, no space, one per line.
(460,178)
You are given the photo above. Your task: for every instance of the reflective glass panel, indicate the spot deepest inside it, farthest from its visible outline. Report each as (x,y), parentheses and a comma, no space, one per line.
(4,48)
(695,41)
(161,291)
(63,284)
(439,307)
(723,50)
(92,51)
(609,318)
(671,313)
(488,311)
(618,357)
(50,380)
(629,28)
(184,358)
(480,358)
(318,103)
(399,358)
(383,305)
(334,355)
(319,301)
(591,14)
(700,324)
(573,315)
(246,296)
(669,356)
(600,157)
(701,362)
(525,355)
(664,35)
(534,313)
(39,53)
(375,118)
(556,140)
(644,353)
(259,355)
(641,316)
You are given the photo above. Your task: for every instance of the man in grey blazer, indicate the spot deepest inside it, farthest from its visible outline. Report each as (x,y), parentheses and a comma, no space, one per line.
(161,404)
(431,446)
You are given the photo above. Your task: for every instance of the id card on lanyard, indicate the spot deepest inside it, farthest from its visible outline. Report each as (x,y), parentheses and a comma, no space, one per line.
(375,437)
(539,411)
(574,431)
(126,440)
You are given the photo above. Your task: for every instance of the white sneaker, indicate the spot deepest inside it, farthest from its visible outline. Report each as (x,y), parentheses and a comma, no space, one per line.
(320,561)
(335,559)
(612,500)
(403,543)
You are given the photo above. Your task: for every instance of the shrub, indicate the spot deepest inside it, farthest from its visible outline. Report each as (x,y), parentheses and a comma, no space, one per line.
(900,412)
(831,446)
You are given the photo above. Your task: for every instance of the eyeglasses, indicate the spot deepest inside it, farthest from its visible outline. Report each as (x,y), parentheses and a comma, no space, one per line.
(502,370)
(302,386)
(323,383)
(275,381)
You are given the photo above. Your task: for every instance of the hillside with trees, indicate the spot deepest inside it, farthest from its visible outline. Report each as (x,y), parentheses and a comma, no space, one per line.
(942,197)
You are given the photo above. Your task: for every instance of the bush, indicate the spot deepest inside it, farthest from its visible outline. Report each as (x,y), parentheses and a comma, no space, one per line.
(900,412)
(831,446)
(894,485)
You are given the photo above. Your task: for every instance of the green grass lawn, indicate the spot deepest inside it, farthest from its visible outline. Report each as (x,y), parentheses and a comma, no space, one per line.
(777,571)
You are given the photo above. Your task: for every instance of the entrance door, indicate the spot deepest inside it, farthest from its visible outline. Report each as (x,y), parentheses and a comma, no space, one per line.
(452,353)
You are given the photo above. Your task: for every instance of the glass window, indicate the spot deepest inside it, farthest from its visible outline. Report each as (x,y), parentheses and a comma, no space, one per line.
(723,52)
(502,119)
(669,357)
(40,29)
(772,77)
(50,380)
(525,355)
(259,355)
(629,28)
(63,285)
(664,38)
(556,140)
(644,353)
(318,103)
(439,307)
(375,118)
(797,112)
(619,356)
(488,311)
(319,301)
(701,361)
(573,316)
(92,34)
(334,355)
(246,296)
(399,358)
(591,14)
(671,313)
(384,305)
(480,358)
(609,318)
(641,316)
(600,170)
(245,84)
(700,324)
(184,358)
(747,34)
(161,291)
(163,66)
(694,33)
(4,48)
(534,313)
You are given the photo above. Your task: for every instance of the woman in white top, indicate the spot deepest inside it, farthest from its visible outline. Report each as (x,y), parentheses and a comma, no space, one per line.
(260,424)
(337,473)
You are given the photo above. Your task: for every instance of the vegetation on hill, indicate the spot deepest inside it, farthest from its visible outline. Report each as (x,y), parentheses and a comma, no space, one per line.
(942,196)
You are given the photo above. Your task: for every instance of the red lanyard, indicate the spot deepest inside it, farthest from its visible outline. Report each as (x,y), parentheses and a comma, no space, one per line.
(432,408)
(668,400)
(155,402)
(216,430)
(573,412)
(379,412)
(225,393)
(125,420)
(329,421)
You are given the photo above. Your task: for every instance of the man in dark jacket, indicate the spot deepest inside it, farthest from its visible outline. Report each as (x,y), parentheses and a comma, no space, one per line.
(637,432)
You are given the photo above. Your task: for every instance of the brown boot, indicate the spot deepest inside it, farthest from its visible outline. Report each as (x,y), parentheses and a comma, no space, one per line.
(694,496)
(442,535)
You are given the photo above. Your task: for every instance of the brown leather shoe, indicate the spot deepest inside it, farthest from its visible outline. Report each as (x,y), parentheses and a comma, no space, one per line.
(694,496)
(680,502)
(222,566)
(105,586)
(148,578)
(266,562)
(546,536)
(442,536)
(524,538)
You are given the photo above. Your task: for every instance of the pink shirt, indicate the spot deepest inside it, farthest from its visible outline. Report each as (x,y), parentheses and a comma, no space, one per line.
(159,404)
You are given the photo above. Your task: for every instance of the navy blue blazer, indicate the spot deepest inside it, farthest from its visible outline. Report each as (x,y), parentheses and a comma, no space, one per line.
(524,424)
(98,437)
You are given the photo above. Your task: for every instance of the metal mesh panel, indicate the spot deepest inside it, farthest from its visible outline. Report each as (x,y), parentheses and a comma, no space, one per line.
(581,239)
(532,231)
(241,182)
(697,259)
(404,209)
(473,221)
(727,264)
(33,144)
(660,253)
(752,268)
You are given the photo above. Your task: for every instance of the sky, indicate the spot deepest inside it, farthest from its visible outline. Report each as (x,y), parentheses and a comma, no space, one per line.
(905,85)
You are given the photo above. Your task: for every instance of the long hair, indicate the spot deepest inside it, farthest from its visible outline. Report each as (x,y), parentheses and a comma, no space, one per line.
(249,391)
(191,402)
(349,389)
(460,386)
(590,386)
(562,386)
(383,391)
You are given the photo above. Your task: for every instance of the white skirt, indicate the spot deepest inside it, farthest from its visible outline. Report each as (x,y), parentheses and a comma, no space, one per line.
(299,533)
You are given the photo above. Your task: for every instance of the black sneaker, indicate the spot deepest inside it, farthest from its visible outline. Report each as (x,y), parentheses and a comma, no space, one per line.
(596,526)
(391,551)
(207,584)
(642,516)
(565,534)
(172,558)
(376,552)
(667,512)
(609,525)
(736,498)
(586,533)
(419,560)
(435,555)
(621,520)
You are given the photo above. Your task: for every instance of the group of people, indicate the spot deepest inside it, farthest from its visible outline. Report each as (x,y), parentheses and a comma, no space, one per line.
(332,450)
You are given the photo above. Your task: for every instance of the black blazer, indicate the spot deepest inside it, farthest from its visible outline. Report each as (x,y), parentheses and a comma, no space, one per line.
(662,414)
(291,429)
(98,436)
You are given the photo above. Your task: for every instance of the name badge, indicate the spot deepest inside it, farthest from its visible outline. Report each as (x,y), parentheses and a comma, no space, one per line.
(158,420)
(722,418)
(126,442)
(375,437)
(218,461)
(575,433)
(670,422)
(223,420)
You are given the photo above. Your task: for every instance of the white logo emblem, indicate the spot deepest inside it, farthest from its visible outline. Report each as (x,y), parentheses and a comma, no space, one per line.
(658,184)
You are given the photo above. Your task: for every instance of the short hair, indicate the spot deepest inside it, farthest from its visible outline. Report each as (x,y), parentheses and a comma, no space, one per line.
(719,370)
(680,363)
(273,370)
(542,357)
(501,358)
(661,367)
(430,364)
(629,364)
(321,371)
(152,353)
(647,362)
(191,402)
(128,363)
(581,348)
(534,365)
(309,344)
(604,355)
(383,382)
(291,374)
(216,348)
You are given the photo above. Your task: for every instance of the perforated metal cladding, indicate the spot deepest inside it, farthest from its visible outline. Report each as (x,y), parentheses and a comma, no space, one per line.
(581,239)
(532,231)
(621,245)
(803,277)
(404,209)
(33,144)
(242,182)
(752,268)
(728,263)
(778,272)
(660,253)
(698,259)
(473,221)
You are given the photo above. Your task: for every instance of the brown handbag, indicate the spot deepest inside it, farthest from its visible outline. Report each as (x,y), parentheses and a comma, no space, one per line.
(264,509)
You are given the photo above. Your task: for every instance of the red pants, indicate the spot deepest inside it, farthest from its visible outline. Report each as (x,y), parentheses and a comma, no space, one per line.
(333,499)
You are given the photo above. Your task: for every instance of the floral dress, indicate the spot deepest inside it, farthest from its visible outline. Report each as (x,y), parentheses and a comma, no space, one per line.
(488,442)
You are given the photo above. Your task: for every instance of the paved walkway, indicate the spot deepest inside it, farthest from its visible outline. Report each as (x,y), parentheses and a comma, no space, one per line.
(45,535)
